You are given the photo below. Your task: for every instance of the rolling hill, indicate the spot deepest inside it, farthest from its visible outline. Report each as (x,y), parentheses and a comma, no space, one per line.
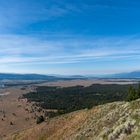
(111,121)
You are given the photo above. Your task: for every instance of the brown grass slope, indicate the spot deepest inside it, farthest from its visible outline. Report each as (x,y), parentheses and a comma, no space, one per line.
(112,121)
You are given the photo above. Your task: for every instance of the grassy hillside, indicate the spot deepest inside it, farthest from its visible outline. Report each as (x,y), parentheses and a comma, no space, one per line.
(117,120)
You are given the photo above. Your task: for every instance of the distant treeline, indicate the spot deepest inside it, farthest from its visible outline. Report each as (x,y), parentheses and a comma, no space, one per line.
(78,97)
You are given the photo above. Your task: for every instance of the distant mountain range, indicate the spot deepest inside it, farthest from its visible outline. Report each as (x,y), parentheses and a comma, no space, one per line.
(134,74)
(11,76)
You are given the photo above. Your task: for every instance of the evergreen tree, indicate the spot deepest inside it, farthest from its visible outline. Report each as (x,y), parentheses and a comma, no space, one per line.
(138,90)
(132,94)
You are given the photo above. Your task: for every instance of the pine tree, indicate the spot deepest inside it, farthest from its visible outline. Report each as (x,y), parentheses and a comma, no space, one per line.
(138,90)
(131,94)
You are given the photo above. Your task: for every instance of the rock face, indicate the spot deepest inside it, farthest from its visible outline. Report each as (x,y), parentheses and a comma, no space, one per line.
(112,121)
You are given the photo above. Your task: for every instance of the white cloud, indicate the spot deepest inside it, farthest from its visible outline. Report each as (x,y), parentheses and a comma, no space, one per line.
(24,49)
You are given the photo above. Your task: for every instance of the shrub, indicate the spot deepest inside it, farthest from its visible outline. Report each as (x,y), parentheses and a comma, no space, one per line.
(11,123)
(40,119)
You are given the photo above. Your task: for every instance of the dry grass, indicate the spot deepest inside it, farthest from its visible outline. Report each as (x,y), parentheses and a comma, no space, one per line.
(113,121)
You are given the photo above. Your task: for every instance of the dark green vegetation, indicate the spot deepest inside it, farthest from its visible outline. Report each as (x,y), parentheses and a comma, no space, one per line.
(40,119)
(75,98)
(133,93)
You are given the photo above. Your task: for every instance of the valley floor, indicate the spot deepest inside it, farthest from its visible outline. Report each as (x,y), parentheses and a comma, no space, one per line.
(15,113)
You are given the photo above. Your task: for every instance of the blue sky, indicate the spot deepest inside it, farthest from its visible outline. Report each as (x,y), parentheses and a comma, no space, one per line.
(69,36)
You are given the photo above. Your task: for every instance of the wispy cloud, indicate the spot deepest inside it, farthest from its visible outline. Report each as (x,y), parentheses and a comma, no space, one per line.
(16,14)
(22,49)
(69,36)
(24,13)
